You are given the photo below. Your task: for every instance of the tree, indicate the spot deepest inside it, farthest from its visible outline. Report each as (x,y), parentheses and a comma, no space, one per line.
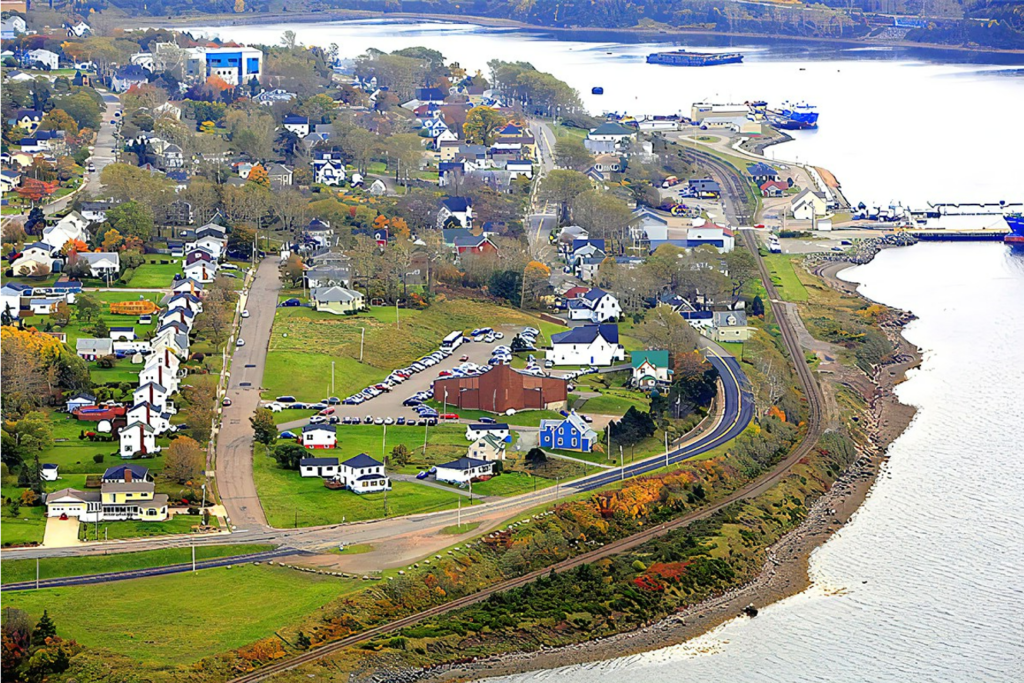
(131,218)
(58,119)
(61,314)
(25,438)
(757,307)
(200,411)
(35,190)
(634,427)
(288,455)
(302,641)
(535,279)
(399,455)
(293,269)
(742,267)
(44,629)
(663,328)
(562,187)
(482,125)
(184,460)
(263,426)
(570,153)
(506,284)
(259,176)
(536,457)
(87,307)
(100,329)
(604,215)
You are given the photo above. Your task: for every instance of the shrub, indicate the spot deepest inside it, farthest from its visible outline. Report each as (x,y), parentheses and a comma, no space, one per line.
(98,458)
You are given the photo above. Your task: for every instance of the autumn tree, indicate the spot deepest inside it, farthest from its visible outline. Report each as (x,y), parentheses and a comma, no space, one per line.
(535,279)
(61,314)
(131,218)
(111,240)
(570,153)
(259,176)
(482,125)
(184,460)
(264,428)
(664,328)
(35,190)
(562,187)
(199,413)
(58,119)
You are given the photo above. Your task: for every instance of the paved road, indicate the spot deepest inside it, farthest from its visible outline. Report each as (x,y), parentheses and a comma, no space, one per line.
(234,442)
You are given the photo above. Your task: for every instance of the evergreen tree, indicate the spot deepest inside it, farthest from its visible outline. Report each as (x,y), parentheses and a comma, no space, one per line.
(44,629)
(302,641)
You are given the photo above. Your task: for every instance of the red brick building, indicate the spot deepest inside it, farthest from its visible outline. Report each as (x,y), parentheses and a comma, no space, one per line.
(501,388)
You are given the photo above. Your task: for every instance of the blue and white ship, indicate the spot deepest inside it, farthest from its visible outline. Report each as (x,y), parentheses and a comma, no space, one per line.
(798,116)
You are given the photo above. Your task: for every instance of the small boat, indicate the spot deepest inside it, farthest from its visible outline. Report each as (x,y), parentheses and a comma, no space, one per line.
(597,91)
(750,611)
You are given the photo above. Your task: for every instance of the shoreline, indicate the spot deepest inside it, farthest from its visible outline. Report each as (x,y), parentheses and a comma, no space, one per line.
(785,572)
(496,22)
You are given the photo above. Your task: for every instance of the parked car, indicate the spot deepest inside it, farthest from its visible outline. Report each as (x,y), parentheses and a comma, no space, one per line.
(245,313)
(289,303)
(499,335)
(411,402)
(286,399)
(400,421)
(274,407)
(487,420)
(549,363)
(464,357)
(333,419)
(378,421)
(422,474)
(286,435)
(327,411)
(333,401)
(226,402)
(240,342)
(317,419)
(368,420)
(389,420)
(449,416)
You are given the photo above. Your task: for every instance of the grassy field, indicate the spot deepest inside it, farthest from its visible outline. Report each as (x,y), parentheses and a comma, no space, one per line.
(181,618)
(511,484)
(735,348)
(26,528)
(290,500)
(77,329)
(304,342)
(783,275)
(57,567)
(525,418)
(616,402)
(155,275)
(179,524)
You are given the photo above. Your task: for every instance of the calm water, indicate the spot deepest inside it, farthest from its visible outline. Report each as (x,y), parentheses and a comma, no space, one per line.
(914,125)
(927,582)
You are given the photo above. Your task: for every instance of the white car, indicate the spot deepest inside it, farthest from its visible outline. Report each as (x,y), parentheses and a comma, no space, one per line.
(275,407)
(245,314)
(240,342)
(317,419)
(499,335)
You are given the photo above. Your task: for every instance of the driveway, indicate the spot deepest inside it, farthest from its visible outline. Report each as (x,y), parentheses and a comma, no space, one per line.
(234,442)
(61,533)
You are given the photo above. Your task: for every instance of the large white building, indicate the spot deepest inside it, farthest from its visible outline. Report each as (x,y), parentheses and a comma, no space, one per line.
(587,345)
(234,65)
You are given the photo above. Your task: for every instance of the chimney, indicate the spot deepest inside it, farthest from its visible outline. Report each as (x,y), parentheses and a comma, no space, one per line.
(127,475)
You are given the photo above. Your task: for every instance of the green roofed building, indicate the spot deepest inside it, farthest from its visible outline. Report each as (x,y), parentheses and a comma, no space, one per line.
(650,368)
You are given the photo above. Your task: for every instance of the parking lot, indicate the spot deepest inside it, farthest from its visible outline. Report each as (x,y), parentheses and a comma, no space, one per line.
(389,404)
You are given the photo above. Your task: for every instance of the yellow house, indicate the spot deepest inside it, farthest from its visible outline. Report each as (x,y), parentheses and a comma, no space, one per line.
(338,300)
(115,501)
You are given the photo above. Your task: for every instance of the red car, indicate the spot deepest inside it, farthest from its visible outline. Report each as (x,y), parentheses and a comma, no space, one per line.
(327,411)
(464,357)
(444,373)
(448,416)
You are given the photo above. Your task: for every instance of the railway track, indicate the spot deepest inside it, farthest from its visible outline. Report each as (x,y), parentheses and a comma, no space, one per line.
(734,186)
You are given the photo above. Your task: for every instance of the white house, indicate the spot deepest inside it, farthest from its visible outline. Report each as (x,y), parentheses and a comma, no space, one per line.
(650,369)
(122,332)
(478,430)
(363,474)
(36,259)
(187,286)
(50,60)
(13,26)
(161,375)
(180,315)
(102,264)
(234,65)
(12,293)
(186,300)
(487,447)
(78,30)
(458,208)
(328,168)
(596,306)
(717,236)
(153,393)
(202,271)
(318,467)
(137,438)
(147,413)
(808,204)
(463,470)
(43,305)
(296,124)
(212,245)
(71,227)
(91,349)
(319,436)
(96,212)
(587,345)
(79,401)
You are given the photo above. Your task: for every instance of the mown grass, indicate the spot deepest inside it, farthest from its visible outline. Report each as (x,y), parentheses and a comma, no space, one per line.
(155,275)
(784,277)
(178,524)
(25,528)
(616,402)
(14,571)
(290,500)
(180,618)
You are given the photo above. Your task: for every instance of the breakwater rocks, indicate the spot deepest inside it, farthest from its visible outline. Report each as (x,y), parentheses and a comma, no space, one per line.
(862,251)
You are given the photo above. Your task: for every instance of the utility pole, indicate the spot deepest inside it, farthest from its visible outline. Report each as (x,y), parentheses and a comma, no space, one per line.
(622,465)
(362,340)
(37,573)
(457,526)
(666,448)
(193,558)
(332,380)
(426,427)
(384,445)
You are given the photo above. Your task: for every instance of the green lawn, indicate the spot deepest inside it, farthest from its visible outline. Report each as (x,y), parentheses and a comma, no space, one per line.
(735,348)
(525,418)
(307,376)
(616,402)
(291,500)
(179,619)
(155,275)
(511,484)
(456,529)
(179,524)
(781,269)
(27,528)
(56,567)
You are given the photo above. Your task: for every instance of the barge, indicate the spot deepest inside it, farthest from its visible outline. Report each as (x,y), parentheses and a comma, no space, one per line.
(684,58)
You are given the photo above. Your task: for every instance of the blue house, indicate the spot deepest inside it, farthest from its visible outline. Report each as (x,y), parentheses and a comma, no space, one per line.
(570,434)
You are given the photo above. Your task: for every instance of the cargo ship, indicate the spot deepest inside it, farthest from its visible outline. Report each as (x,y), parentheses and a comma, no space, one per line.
(1016,234)
(684,58)
(800,116)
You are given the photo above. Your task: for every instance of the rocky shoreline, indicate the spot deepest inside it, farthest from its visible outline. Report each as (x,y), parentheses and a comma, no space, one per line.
(785,571)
